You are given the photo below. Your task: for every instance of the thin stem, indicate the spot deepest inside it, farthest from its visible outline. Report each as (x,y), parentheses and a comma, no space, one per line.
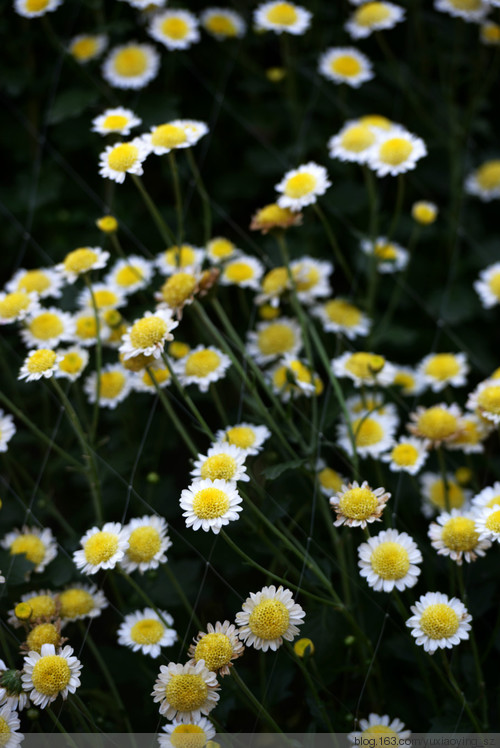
(165,232)
(334,243)
(98,357)
(192,407)
(397,208)
(178,588)
(144,596)
(172,415)
(178,196)
(257,706)
(207,213)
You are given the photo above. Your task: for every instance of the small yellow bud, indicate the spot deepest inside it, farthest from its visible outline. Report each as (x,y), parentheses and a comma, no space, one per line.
(107,224)
(424,212)
(178,350)
(303,647)
(266,311)
(463,475)
(23,611)
(275,75)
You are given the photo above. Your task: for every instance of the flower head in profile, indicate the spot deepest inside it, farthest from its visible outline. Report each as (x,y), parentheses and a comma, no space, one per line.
(175,29)
(345,65)
(218,647)
(356,506)
(35,8)
(273,216)
(454,534)
(282,17)
(101,549)
(222,23)
(389,560)
(86,47)
(373,16)
(210,504)
(185,692)
(473,11)
(302,186)
(12,698)
(439,622)
(38,545)
(147,631)
(7,429)
(131,66)
(269,616)
(117,120)
(484,182)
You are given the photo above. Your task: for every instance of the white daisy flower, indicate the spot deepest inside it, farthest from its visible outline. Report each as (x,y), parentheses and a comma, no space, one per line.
(454,534)
(246,436)
(17,305)
(488,523)
(388,561)
(195,128)
(222,462)
(35,8)
(149,334)
(484,182)
(439,423)
(86,47)
(342,317)
(12,697)
(144,631)
(488,497)
(274,339)
(356,505)
(396,152)
(123,158)
(71,363)
(119,120)
(185,692)
(181,734)
(408,455)
(489,33)
(311,278)
(103,295)
(291,377)
(50,674)
(145,4)
(44,282)
(38,545)
(377,726)
(81,261)
(439,370)
(269,616)
(101,549)
(439,622)
(86,328)
(149,379)
(131,66)
(148,541)
(175,29)
(372,402)
(42,362)
(473,432)
(202,366)
(186,257)
(373,434)
(46,328)
(408,380)
(439,498)
(40,605)
(167,137)
(488,286)
(7,429)
(9,726)
(389,256)
(364,368)
(114,386)
(80,601)
(353,142)
(244,271)
(218,646)
(282,17)
(330,481)
(472,10)
(373,16)
(300,187)
(210,505)
(346,65)
(485,400)
(222,23)
(219,249)
(130,274)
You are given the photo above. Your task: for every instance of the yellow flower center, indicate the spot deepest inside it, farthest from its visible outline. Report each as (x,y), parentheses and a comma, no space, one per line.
(300,185)
(115,122)
(283,14)
(466,4)
(437,423)
(275,339)
(330,479)
(365,365)
(439,621)
(34,280)
(168,136)
(13,304)
(105,298)
(188,736)
(42,606)
(123,157)
(347,66)
(357,138)
(489,399)
(128,276)
(405,380)
(376,120)
(493,522)
(367,432)
(216,649)
(383,731)
(442,366)
(390,560)
(175,28)
(177,349)
(80,260)
(305,278)
(488,175)
(23,611)
(371,14)
(493,502)
(238,272)
(275,281)
(269,619)
(358,503)
(5,732)
(112,383)
(490,32)
(32,547)
(273,215)
(221,466)
(178,289)
(470,433)
(404,455)
(35,5)
(84,49)
(221,25)
(71,363)
(342,312)
(202,363)
(147,631)
(44,633)
(144,543)
(385,251)
(149,331)
(100,547)
(51,675)
(180,257)
(459,534)
(210,503)
(45,326)
(108,224)
(41,360)
(160,376)
(221,247)
(241,436)
(494,285)
(424,213)
(130,62)
(75,602)
(437,492)
(186,691)
(395,151)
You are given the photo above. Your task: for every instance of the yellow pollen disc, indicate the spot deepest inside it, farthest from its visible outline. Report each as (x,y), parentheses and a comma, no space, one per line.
(347,66)
(493,522)
(275,281)
(238,272)
(149,331)
(367,432)
(301,372)
(489,399)
(493,502)
(385,251)
(456,497)
(404,380)
(180,257)
(42,606)
(404,455)
(220,466)
(35,5)
(41,360)
(178,289)
(5,732)
(160,376)
(210,503)
(494,285)
(188,736)
(108,224)
(241,436)
(130,62)
(32,547)
(84,49)
(147,631)
(44,633)
(23,611)
(390,560)
(274,215)
(128,276)
(71,363)
(75,602)
(222,25)
(216,649)
(34,280)
(13,304)
(466,4)
(112,383)
(488,175)
(358,503)
(424,213)
(357,138)
(395,151)
(437,423)
(330,479)
(459,534)
(202,363)
(168,136)
(123,157)
(269,619)
(439,621)
(383,731)
(221,247)
(283,14)
(281,378)
(45,326)
(51,675)
(80,260)
(469,435)
(115,122)
(178,350)
(175,28)
(490,32)
(86,327)
(372,13)
(100,547)
(305,280)
(275,339)
(365,365)
(144,543)
(105,298)
(376,120)
(300,185)
(186,691)
(342,313)
(442,366)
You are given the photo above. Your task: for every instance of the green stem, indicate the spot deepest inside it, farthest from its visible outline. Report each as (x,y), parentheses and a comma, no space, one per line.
(98,355)
(178,196)
(398,207)
(334,243)
(192,407)
(172,415)
(257,706)
(178,588)
(207,214)
(165,232)
(444,478)
(143,595)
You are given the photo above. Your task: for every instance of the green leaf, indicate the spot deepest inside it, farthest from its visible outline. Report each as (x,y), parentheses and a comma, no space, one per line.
(273,472)
(71,104)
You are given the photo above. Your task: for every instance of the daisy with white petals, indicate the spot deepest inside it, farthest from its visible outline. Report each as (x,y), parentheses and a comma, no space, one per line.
(131,66)
(35,8)
(487,286)
(16,306)
(81,261)
(376,727)
(274,339)
(373,16)
(279,16)
(388,561)
(356,506)
(81,601)
(484,182)
(342,317)
(149,334)
(120,159)
(488,523)
(439,622)
(222,462)
(9,726)
(408,455)
(71,363)
(130,274)
(145,631)
(363,368)
(488,497)
(176,29)
(218,647)
(395,153)
(50,674)
(346,65)
(38,545)
(439,370)
(302,186)
(186,257)
(454,534)
(353,142)
(117,120)
(7,429)
(438,496)
(43,282)
(485,400)
(39,364)
(244,271)
(101,549)
(246,436)
(112,387)
(202,366)
(185,692)
(46,328)
(183,734)
(222,23)
(389,257)
(210,505)
(268,617)
(473,11)
(373,434)
(86,47)
(148,541)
